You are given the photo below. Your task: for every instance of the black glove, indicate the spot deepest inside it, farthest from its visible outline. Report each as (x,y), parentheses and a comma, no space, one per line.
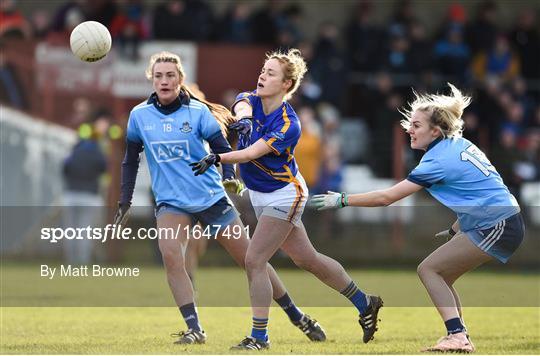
(122,214)
(243,126)
(205,163)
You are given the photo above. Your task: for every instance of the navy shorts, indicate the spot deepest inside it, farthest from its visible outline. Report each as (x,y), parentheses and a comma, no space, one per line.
(219,215)
(501,240)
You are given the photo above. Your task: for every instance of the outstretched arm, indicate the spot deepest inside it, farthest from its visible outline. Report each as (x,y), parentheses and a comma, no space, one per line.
(258,149)
(375,198)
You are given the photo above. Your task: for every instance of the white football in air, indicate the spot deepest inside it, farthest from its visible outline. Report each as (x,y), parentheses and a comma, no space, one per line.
(90,41)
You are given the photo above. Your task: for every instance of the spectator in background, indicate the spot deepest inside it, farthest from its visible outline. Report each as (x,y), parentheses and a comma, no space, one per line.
(328,67)
(514,118)
(471,127)
(102,11)
(520,94)
(289,27)
(174,21)
(11,91)
(481,33)
(505,157)
(128,28)
(83,203)
(525,38)
(265,22)
(455,15)
(499,61)
(452,54)
(383,86)
(236,26)
(81,112)
(529,168)
(308,150)
(363,39)
(64,18)
(40,22)
(202,15)
(12,22)
(331,171)
(404,14)
(396,59)
(310,91)
(420,53)
(382,143)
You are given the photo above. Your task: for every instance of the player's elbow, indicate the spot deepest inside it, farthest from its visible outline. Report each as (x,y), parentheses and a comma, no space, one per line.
(385,199)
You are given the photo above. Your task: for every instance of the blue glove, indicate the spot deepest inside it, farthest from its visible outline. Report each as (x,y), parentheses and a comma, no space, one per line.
(243,126)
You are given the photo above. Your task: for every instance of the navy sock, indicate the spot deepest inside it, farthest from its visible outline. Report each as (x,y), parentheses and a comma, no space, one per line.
(260,329)
(454,326)
(356,296)
(289,307)
(189,312)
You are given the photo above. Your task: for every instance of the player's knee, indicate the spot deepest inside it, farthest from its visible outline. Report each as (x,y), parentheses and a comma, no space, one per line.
(172,259)
(253,262)
(423,270)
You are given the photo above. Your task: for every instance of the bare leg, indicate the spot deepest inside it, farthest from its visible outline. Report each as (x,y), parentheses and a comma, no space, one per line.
(329,271)
(237,248)
(172,252)
(267,238)
(448,263)
(195,250)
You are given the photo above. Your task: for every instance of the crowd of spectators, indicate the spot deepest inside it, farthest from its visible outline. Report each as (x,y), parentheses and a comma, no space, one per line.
(361,71)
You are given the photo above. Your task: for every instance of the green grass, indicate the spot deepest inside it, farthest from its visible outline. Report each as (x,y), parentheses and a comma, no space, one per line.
(40,323)
(146,331)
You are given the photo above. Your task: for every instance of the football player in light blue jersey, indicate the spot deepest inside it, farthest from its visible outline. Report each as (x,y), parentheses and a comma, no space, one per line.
(269,131)
(173,127)
(455,172)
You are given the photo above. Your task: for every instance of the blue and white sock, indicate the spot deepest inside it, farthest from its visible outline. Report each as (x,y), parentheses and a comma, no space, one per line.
(189,312)
(356,296)
(260,329)
(289,307)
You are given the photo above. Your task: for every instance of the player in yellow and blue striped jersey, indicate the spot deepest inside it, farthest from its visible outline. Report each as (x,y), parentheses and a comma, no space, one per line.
(269,131)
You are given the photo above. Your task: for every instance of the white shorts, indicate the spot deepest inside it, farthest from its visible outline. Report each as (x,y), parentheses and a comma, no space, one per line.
(286,203)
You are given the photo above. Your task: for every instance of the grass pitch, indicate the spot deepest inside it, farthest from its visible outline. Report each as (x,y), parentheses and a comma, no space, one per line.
(145,330)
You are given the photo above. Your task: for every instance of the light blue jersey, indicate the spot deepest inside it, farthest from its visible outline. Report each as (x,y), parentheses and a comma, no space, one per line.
(459,175)
(171,142)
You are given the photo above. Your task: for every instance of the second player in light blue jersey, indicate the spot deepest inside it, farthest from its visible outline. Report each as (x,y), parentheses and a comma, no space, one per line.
(456,173)
(269,131)
(174,127)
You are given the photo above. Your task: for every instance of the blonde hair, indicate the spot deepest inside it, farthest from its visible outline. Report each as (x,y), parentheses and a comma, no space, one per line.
(444,111)
(294,67)
(222,115)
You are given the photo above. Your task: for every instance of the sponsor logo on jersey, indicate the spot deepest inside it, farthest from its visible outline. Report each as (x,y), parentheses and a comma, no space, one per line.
(280,210)
(167,119)
(149,127)
(186,128)
(166,151)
